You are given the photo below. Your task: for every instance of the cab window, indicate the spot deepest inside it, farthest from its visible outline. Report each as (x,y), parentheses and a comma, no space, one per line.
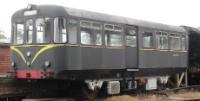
(91,33)
(60,32)
(41,31)
(147,40)
(18,33)
(29,30)
(113,35)
(131,38)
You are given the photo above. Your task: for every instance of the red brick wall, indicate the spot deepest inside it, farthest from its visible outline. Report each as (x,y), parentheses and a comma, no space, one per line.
(4,59)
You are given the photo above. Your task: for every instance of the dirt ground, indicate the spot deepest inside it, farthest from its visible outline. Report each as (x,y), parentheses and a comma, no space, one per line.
(132,98)
(184,95)
(187,95)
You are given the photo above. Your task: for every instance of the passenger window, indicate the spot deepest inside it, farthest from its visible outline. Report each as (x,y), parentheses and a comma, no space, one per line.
(113,35)
(161,40)
(165,40)
(41,28)
(158,40)
(183,43)
(60,32)
(73,31)
(175,42)
(86,37)
(29,28)
(131,38)
(19,34)
(147,40)
(91,33)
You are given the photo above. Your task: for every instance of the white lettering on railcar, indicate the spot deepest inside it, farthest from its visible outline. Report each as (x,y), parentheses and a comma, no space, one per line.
(29,13)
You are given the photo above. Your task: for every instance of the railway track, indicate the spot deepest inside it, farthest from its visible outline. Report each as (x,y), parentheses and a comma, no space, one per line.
(181,99)
(167,91)
(178,90)
(69,99)
(197,87)
(51,99)
(166,94)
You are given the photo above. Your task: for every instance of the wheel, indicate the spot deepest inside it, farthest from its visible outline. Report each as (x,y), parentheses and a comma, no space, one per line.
(89,94)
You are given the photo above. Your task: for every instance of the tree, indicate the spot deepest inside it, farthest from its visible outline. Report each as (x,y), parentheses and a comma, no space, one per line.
(2,36)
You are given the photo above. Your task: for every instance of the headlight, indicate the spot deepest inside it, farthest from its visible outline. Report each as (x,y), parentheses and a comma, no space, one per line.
(13,64)
(28,54)
(47,64)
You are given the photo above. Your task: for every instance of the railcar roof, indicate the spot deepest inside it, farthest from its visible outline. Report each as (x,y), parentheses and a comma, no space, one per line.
(188,28)
(58,10)
(119,19)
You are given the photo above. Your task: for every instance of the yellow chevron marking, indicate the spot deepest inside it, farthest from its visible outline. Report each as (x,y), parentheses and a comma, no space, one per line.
(19,52)
(32,45)
(43,45)
(28,64)
(44,49)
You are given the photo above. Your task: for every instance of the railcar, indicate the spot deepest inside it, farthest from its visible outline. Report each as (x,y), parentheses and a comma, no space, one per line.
(194,56)
(59,43)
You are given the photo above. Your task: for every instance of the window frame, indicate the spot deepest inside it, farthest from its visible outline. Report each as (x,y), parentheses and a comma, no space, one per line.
(66,27)
(128,28)
(91,28)
(185,43)
(77,31)
(175,35)
(45,31)
(120,33)
(152,40)
(26,30)
(163,34)
(15,34)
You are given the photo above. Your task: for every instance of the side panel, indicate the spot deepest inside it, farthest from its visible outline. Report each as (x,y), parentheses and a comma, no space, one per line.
(91,58)
(156,61)
(114,58)
(131,57)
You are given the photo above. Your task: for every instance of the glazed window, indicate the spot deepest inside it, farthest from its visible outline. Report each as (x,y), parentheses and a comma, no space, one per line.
(175,42)
(60,32)
(91,33)
(147,40)
(73,31)
(183,43)
(41,31)
(29,30)
(19,34)
(113,35)
(161,40)
(131,38)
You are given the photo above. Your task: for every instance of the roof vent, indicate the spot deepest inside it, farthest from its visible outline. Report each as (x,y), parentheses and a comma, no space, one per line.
(30,6)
